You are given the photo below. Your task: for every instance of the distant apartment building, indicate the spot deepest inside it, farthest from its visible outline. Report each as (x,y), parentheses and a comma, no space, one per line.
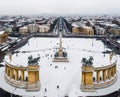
(33,28)
(9,29)
(116,21)
(89,23)
(83,30)
(104,24)
(75,30)
(99,30)
(3,36)
(44,28)
(23,30)
(115,31)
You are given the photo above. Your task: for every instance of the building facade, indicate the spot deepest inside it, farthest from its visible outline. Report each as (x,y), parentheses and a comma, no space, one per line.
(33,28)
(100,30)
(44,28)
(3,36)
(23,30)
(83,30)
(115,31)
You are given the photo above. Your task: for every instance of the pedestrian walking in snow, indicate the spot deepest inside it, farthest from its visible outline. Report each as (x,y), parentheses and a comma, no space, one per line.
(57,86)
(45,90)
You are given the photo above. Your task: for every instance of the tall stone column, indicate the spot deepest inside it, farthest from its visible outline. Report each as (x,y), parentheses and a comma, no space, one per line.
(104,75)
(11,73)
(60,52)
(16,74)
(22,75)
(98,75)
(112,71)
(115,69)
(109,72)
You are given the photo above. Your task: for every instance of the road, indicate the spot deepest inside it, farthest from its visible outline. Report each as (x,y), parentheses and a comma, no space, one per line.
(112,44)
(61,26)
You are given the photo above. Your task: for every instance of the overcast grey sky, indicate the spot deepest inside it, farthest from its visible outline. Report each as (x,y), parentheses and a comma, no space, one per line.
(12,7)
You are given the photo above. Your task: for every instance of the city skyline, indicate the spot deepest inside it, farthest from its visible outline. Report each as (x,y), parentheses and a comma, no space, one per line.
(83,7)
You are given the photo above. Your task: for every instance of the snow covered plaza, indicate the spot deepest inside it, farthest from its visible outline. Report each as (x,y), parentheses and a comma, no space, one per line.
(59,79)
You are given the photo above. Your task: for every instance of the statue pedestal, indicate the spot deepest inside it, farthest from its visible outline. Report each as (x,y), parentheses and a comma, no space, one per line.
(60,57)
(33,78)
(87,79)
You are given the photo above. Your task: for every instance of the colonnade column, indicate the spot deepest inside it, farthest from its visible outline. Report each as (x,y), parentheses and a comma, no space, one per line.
(104,75)
(109,73)
(98,75)
(16,74)
(115,68)
(22,75)
(11,73)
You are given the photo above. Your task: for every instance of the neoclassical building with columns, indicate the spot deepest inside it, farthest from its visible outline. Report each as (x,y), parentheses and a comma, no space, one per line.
(98,77)
(22,77)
